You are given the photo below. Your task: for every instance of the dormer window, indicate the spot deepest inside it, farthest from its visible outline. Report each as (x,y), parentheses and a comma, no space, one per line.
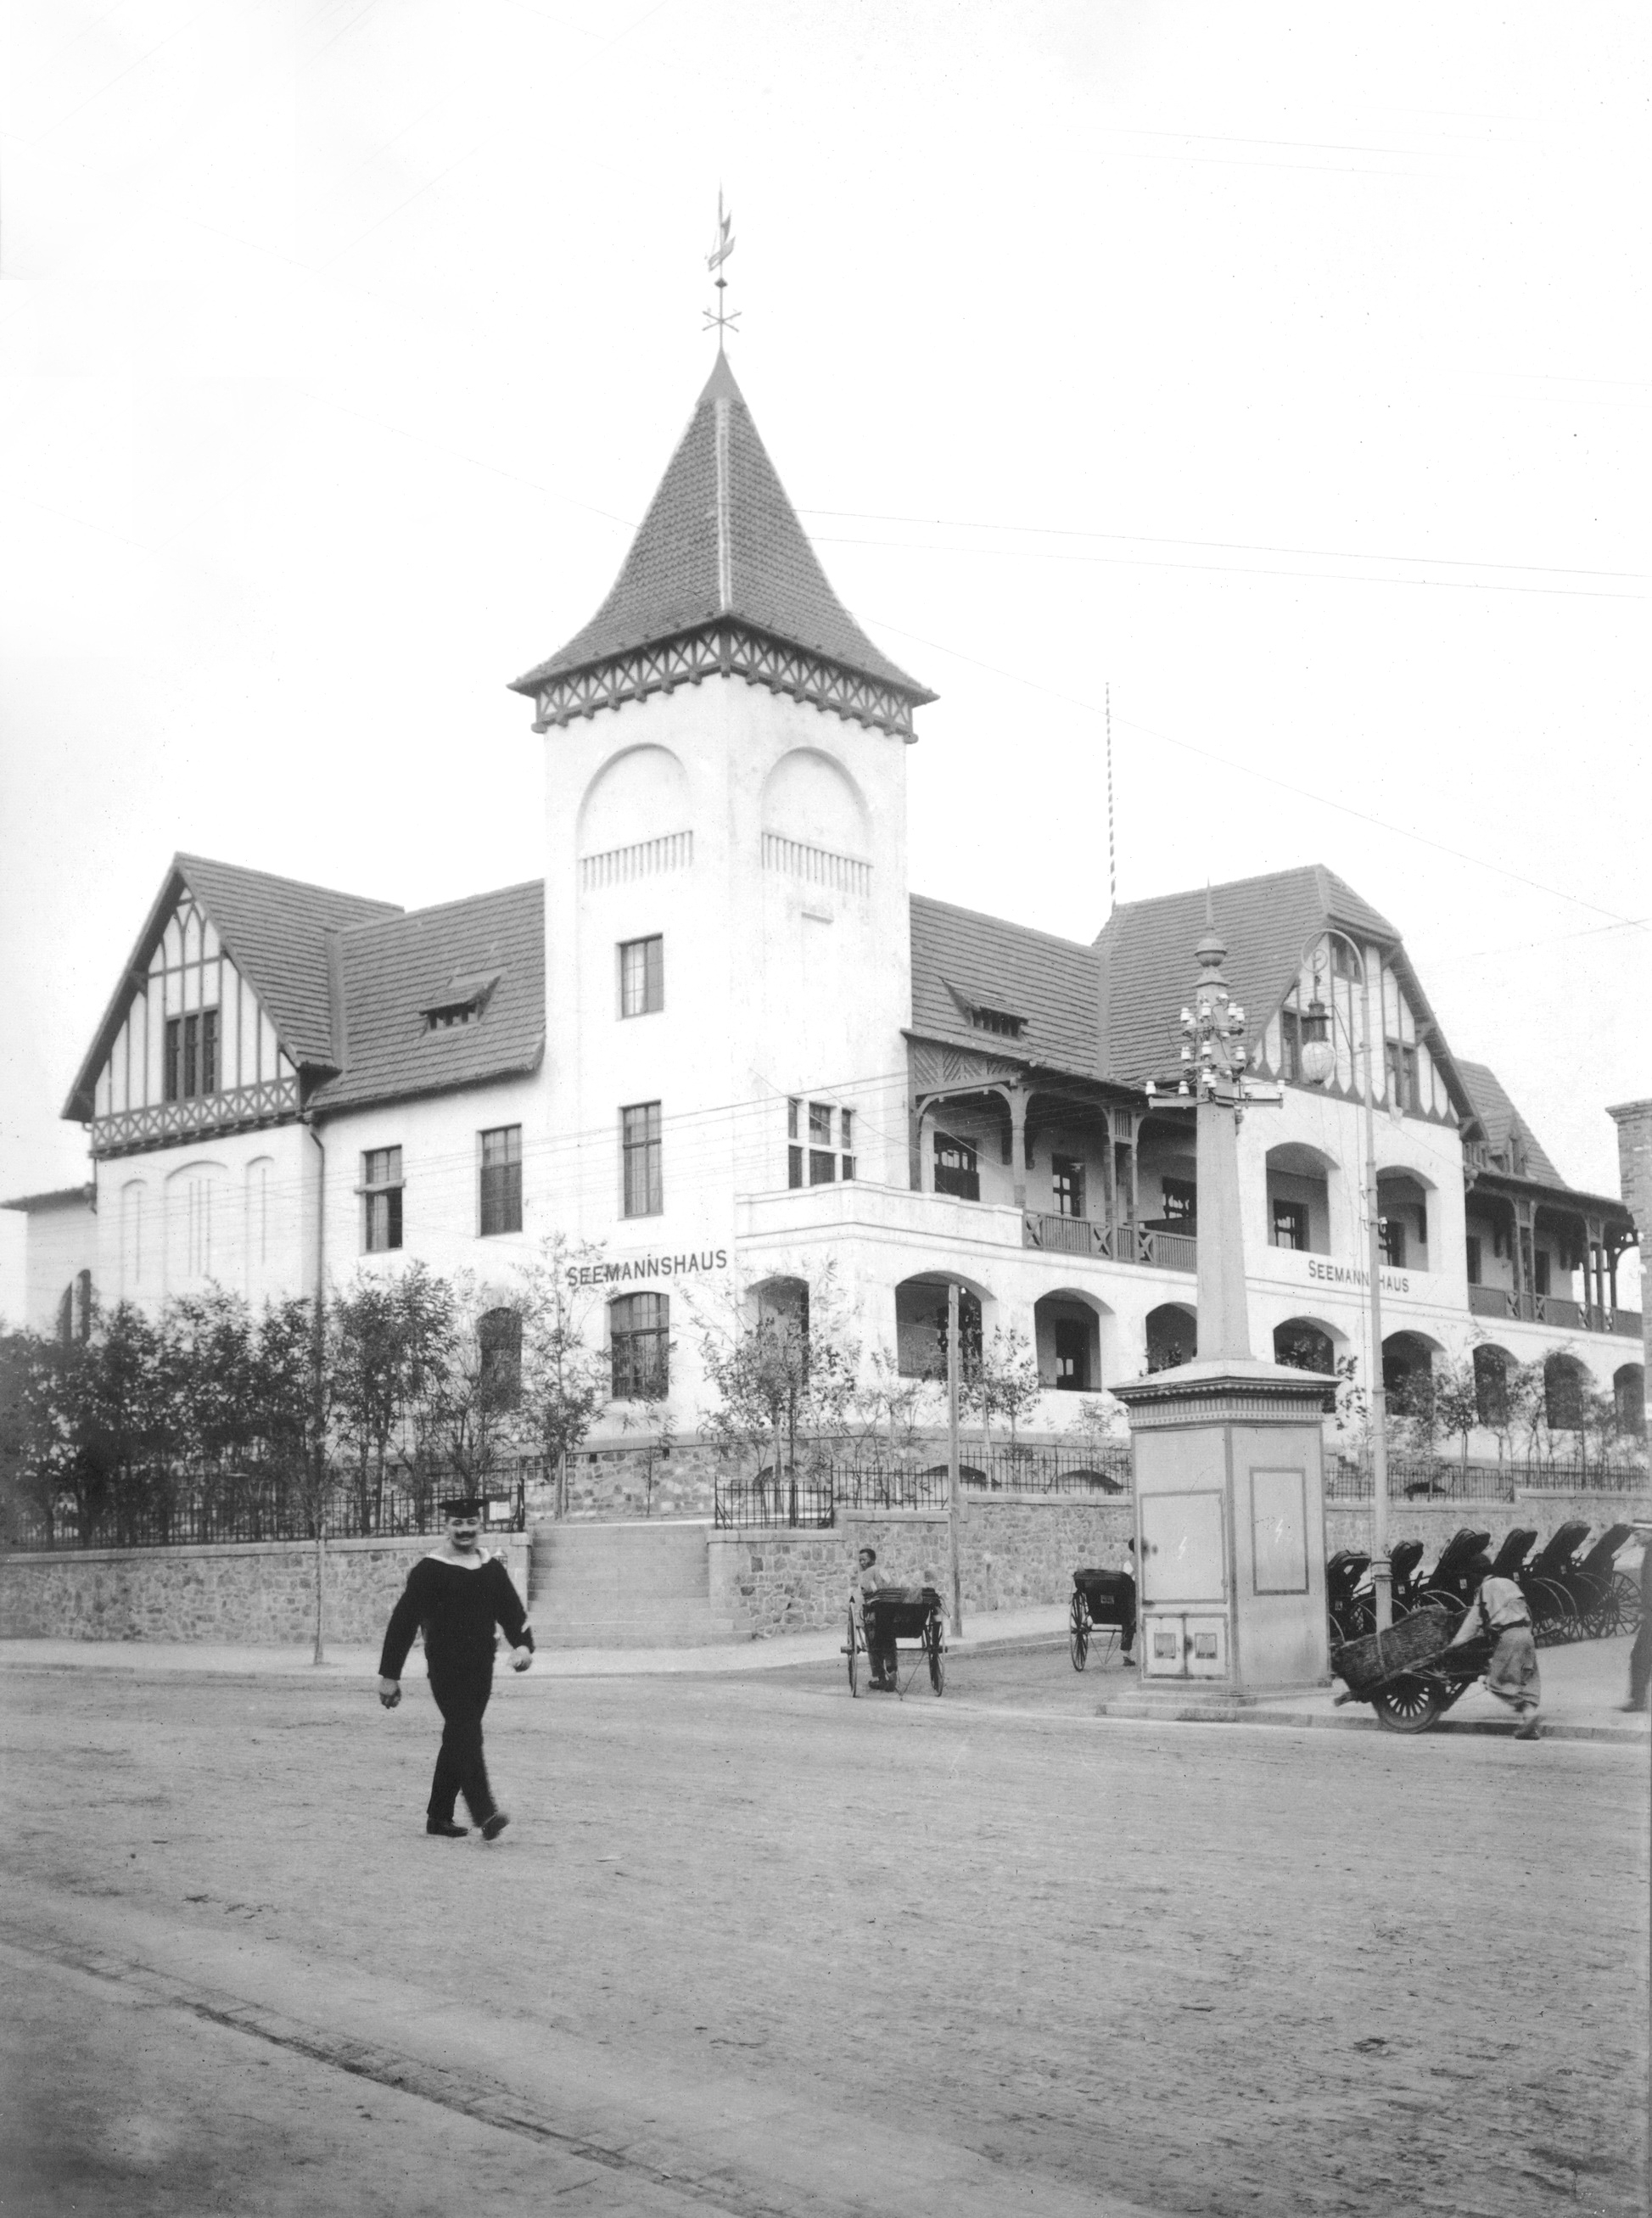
(996,1020)
(462,1003)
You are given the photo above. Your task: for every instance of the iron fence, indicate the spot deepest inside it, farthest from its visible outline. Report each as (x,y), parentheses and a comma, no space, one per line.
(818,1493)
(1442,1478)
(192,1515)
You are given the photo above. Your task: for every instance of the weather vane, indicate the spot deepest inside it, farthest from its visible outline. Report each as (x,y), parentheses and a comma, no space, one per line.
(720,320)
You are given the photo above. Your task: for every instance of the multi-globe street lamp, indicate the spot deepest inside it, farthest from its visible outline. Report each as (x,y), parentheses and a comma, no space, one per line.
(1319,1062)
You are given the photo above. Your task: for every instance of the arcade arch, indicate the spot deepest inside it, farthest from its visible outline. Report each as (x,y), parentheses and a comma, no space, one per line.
(1173,1335)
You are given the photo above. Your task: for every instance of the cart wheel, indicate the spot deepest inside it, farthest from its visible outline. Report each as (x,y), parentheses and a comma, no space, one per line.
(1549,1612)
(1078,1632)
(1599,1613)
(1625,1603)
(933,1645)
(1409,1704)
(852,1650)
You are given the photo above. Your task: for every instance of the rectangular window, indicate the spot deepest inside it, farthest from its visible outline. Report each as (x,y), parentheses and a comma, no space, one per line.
(190,1058)
(1291,1044)
(639,1160)
(1401,1074)
(1392,1238)
(498,1335)
(793,1167)
(793,1107)
(1067,1185)
(820,1124)
(846,1135)
(1540,1272)
(1343,964)
(1471,1257)
(823,1167)
(1181,1201)
(642,976)
(501,1180)
(381,1197)
(958,1169)
(639,1341)
(1291,1224)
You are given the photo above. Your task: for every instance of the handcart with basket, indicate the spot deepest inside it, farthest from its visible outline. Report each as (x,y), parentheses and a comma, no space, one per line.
(895,1618)
(1411,1675)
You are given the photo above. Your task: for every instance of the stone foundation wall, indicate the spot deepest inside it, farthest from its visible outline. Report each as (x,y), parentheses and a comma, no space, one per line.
(1014,1551)
(259,1594)
(618,1484)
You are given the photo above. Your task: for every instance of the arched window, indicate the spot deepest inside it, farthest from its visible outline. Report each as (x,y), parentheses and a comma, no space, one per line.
(1491,1387)
(499,1338)
(639,1344)
(920,1311)
(1628,1399)
(1563,1391)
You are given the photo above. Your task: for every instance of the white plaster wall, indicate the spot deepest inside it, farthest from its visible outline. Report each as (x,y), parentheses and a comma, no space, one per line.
(257,1183)
(62,1242)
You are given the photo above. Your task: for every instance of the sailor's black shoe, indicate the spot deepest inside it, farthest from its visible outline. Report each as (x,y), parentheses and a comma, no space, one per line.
(446,1828)
(493,1827)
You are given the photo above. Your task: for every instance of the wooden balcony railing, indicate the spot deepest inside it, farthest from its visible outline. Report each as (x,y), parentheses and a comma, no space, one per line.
(1125,1244)
(1552,1308)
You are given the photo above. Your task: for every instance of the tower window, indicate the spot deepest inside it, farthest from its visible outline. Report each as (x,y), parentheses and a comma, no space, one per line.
(191,1055)
(639,1164)
(642,976)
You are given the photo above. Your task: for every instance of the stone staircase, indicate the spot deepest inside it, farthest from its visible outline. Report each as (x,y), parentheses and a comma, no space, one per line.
(645,1585)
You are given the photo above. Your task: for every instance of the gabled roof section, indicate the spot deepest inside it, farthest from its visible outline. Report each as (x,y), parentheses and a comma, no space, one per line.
(720,539)
(1507,1134)
(394,974)
(274,932)
(961,960)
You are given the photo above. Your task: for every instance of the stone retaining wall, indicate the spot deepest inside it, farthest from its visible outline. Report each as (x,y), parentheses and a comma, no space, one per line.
(1014,1551)
(618,1484)
(261,1594)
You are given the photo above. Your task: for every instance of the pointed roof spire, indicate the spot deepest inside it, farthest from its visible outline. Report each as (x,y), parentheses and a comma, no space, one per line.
(721,542)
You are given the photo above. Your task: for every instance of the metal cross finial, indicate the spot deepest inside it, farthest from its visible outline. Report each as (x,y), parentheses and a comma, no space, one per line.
(719,319)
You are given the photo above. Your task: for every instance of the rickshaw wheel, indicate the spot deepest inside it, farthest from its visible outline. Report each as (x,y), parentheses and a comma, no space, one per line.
(1078,1633)
(1599,1614)
(933,1645)
(1625,1594)
(1409,1704)
(853,1651)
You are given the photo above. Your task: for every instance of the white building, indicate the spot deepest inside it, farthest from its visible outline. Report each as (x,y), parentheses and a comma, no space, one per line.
(725,1043)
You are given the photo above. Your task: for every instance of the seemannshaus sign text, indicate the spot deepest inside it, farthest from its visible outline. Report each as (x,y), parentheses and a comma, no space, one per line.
(632,1267)
(1351,1274)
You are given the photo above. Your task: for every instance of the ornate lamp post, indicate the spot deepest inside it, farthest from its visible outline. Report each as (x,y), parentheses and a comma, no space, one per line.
(1319,1064)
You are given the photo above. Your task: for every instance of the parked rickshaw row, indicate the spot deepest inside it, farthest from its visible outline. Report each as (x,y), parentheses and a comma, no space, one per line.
(1572,1584)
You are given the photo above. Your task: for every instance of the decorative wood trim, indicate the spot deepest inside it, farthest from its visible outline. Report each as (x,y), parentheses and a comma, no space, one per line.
(170,1123)
(937,1069)
(729,650)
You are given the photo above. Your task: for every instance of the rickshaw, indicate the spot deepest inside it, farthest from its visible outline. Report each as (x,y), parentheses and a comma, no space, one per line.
(1099,1597)
(1542,1581)
(1350,1613)
(918,1622)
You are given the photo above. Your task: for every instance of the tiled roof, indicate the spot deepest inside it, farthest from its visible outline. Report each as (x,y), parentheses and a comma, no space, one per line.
(722,541)
(272,929)
(393,972)
(961,958)
(1149,967)
(1501,1122)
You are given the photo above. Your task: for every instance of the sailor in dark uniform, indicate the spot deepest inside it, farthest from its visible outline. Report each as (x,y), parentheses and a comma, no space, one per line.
(456,1595)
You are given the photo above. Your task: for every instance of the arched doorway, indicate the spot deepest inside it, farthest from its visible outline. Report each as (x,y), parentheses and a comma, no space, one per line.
(1565,1382)
(1408,1375)
(1305,1345)
(1173,1335)
(1066,1334)
(920,1313)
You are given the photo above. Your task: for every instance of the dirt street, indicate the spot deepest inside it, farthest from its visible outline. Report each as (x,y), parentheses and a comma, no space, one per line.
(749,1947)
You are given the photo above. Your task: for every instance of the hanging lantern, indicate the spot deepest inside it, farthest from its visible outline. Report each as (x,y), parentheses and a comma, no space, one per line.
(1318,1055)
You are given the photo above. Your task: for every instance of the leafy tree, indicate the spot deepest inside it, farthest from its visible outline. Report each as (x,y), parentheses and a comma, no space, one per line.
(890,1410)
(1005,1383)
(386,1340)
(780,1375)
(565,1380)
(466,1410)
(1456,1400)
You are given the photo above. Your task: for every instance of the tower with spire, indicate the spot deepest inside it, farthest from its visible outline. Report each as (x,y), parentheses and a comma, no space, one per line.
(725,774)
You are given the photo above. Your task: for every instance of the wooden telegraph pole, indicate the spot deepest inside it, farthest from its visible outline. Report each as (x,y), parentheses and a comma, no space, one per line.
(953,1503)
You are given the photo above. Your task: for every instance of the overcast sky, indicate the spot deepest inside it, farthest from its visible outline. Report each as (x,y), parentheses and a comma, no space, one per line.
(1281,368)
